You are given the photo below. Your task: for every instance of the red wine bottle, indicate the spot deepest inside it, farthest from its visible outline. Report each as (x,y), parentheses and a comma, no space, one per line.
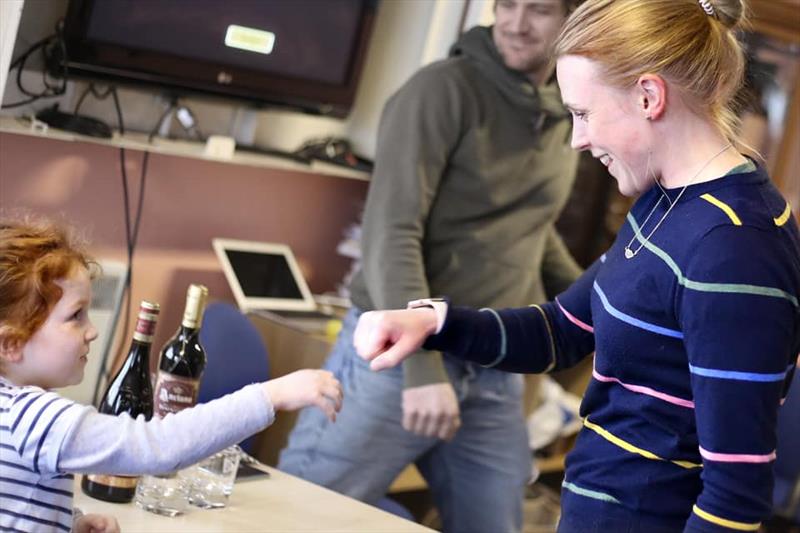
(183,359)
(129,392)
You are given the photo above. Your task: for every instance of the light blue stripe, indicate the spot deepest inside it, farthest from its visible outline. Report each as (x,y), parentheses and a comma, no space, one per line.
(589,493)
(703,286)
(634,321)
(502,338)
(739,376)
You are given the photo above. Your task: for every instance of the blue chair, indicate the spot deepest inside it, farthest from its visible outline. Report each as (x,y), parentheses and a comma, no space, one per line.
(393,506)
(236,355)
(786,497)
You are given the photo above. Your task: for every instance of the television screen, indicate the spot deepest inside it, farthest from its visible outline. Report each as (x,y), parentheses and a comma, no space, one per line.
(302,54)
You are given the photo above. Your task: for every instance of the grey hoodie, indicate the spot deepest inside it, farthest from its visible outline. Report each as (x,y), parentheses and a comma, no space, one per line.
(473,165)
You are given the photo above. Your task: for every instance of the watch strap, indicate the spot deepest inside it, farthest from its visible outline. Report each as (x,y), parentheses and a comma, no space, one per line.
(439,306)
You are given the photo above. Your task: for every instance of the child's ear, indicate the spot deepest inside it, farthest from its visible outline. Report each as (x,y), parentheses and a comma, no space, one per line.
(10,349)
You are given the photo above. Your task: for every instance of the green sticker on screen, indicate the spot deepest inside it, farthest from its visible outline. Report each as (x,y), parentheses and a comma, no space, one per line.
(249,39)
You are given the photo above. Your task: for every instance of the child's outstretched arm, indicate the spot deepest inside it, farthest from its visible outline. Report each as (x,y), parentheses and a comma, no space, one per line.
(124,446)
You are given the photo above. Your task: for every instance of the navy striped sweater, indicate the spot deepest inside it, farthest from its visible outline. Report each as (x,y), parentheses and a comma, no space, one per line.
(696,339)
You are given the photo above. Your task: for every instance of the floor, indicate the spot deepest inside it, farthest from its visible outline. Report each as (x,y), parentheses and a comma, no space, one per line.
(541,509)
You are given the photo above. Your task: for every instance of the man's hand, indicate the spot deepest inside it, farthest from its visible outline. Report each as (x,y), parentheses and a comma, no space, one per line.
(95,523)
(388,337)
(431,411)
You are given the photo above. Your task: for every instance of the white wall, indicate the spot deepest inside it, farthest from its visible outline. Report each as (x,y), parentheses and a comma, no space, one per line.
(479,13)
(407,34)
(10,14)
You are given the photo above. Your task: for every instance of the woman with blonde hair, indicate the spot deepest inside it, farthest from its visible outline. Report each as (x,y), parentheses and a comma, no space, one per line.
(692,313)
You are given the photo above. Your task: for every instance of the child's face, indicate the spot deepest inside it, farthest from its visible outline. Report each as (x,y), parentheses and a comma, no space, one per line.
(56,354)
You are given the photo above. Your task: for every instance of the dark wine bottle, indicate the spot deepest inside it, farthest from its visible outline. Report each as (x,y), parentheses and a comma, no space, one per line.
(129,392)
(183,359)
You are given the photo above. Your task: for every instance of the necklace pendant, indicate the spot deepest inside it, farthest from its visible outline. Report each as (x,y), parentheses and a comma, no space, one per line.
(629,253)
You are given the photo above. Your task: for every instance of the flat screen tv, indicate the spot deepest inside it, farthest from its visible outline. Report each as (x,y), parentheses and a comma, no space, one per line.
(300,54)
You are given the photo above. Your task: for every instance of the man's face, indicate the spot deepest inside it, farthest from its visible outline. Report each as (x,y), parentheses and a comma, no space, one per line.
(524,30)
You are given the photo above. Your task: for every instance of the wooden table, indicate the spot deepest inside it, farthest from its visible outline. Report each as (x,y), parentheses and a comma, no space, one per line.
(279,503)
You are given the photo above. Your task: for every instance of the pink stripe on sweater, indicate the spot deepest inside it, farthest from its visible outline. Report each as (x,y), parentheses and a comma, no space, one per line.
(737,457)
(574,320)
(645,390)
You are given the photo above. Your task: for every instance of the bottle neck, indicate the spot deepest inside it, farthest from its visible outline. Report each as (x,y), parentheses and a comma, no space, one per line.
(185,331)
(139,353)
(195,305)
(190,324)
(145,328)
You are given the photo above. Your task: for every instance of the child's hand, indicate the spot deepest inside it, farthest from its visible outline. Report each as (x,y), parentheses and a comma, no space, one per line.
(96,523)
(306,387)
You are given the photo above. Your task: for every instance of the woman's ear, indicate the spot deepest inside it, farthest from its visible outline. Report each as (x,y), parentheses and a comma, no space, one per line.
(651,93)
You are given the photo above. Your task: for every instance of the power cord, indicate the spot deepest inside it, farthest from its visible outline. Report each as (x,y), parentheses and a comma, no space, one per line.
(131,236)
(96,93)
(54,53)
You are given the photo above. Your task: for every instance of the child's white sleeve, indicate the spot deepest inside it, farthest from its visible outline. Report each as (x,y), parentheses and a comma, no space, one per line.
(38,424)
(124,446)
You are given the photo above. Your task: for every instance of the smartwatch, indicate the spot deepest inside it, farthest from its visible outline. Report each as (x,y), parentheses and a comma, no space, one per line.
(439,306)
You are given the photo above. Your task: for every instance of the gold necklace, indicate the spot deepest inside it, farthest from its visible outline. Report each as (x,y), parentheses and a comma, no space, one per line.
(629,253)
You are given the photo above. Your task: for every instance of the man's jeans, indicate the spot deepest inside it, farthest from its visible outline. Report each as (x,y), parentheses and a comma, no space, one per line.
(477,479)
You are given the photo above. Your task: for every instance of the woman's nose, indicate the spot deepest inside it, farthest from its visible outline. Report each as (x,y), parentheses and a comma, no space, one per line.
(579,139)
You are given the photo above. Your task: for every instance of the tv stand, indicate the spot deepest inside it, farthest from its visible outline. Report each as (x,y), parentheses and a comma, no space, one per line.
(272,152)
(176,111)
(256,157)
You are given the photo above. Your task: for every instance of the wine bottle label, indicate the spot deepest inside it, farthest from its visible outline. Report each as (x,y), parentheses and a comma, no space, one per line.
(122,482)
(146,322)
(174,393)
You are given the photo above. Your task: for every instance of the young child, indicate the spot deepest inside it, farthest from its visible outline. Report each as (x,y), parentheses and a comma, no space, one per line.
(45,334)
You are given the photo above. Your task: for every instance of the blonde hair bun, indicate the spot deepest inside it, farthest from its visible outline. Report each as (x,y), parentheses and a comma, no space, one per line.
(731,13)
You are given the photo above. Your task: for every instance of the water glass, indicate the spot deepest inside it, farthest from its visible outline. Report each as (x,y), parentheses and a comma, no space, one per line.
(166,494)
(210,482)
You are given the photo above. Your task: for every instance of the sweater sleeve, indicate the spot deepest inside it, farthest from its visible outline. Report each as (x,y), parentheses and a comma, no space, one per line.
(419,127)
(39,422)
(122,445)
(533,339)
(739,317)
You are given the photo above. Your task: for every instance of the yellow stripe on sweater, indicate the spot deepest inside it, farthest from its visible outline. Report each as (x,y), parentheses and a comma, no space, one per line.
(781,220)
(725,208)
(625,445)
(739,526)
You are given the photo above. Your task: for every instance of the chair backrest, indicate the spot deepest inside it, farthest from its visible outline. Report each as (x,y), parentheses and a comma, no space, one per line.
(236,354)
(396,508)
(787,466)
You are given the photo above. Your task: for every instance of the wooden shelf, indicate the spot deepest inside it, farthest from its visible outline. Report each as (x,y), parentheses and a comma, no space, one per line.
(180,148)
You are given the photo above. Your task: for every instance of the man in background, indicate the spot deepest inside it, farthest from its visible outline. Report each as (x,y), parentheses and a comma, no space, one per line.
(473,165)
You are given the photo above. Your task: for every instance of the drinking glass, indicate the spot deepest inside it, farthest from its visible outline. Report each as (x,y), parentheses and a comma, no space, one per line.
(163,494)
(210,482)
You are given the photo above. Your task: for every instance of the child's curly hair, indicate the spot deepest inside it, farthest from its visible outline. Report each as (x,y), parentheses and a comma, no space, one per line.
(34,254)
